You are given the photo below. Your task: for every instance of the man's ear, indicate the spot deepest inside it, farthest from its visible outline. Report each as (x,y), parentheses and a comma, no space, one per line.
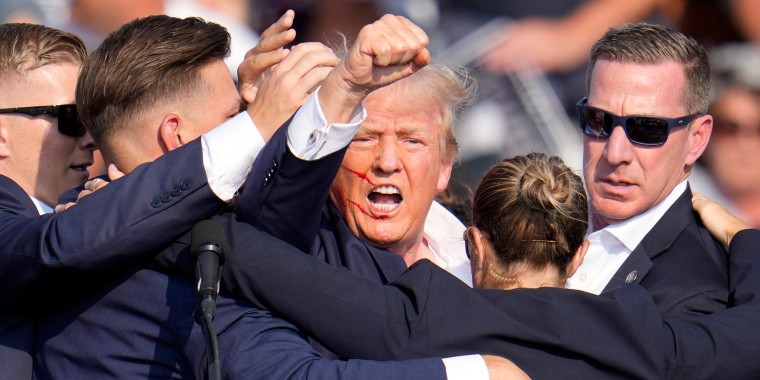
(169,132)
(5,149)
(578,258)
(699,137)
(445,174)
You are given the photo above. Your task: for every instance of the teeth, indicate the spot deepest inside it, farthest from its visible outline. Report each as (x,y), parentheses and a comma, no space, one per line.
(386,190)
(384,206)
(388,203)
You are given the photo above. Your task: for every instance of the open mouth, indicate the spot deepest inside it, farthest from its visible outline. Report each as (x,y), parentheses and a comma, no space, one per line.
(385,198)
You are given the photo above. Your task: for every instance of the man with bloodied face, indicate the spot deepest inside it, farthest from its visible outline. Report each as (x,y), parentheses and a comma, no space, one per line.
(380,215)
(399,159)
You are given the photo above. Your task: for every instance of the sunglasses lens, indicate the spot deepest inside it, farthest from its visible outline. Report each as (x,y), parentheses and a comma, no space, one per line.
(647,130)
(595,123)
(68,121)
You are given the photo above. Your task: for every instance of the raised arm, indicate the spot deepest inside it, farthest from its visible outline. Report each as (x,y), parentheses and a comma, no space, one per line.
(302,161)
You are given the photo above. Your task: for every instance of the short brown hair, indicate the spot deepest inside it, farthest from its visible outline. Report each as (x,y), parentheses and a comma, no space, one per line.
(151,59)
(534,210)
(25,47)
(644,43)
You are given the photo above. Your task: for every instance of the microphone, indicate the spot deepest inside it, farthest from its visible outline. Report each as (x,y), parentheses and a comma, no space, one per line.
(208,244)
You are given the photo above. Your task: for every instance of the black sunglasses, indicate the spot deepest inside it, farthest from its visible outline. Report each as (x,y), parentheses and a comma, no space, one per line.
(644,130)
(68,117)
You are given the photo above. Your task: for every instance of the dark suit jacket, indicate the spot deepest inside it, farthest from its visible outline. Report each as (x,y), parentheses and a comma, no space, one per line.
(48,260)
(689,280)
(547,332)
(141,326)
(680,264)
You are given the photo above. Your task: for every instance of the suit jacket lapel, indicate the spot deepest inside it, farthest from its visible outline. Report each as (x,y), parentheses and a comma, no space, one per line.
(657,241)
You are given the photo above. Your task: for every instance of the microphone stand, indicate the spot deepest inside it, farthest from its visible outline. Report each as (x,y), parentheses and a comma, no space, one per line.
(207,242)
(205,320)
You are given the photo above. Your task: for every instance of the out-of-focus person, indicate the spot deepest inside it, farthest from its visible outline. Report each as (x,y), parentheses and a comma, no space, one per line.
(733,155)
(94,19)
(21,11)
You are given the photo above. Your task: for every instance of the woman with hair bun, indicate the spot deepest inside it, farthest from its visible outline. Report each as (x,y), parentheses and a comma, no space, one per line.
(529,218)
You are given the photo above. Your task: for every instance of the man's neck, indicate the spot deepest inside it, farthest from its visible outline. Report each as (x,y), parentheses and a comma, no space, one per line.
(414,251)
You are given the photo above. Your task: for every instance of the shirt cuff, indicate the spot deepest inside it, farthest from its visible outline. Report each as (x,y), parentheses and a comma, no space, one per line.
(311,138)
(228,153)
(467,367)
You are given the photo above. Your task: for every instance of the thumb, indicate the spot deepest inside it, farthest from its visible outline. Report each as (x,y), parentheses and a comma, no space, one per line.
(114,173)
(422,58)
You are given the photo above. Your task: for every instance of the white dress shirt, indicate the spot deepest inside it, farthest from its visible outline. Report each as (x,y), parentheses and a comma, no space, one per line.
(611,246)
(230,149)
(444,233)
(42,208)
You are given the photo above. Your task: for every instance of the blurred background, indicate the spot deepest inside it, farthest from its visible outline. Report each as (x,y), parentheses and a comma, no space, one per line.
(528,57)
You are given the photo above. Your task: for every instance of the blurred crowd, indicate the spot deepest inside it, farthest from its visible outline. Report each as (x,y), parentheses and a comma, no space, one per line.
(274,207)
(528,58)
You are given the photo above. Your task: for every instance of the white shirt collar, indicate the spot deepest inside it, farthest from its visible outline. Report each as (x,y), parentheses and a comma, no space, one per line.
(42,208)
(631,231)
(444,235)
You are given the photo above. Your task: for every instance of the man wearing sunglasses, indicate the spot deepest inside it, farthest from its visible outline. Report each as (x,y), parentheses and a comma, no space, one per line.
(644,125)
(48,260)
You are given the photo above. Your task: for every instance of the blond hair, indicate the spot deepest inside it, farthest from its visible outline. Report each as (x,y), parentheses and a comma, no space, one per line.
(25,47)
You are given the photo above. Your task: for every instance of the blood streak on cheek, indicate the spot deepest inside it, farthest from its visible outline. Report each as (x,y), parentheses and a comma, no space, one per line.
(366,213)
(360,175)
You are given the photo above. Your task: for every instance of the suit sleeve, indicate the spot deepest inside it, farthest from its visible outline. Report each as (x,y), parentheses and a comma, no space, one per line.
(723,345)
(284,195)
(45,259)
(428,312)
(259,346)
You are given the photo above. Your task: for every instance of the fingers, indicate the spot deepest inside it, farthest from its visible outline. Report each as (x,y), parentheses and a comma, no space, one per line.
(393,40)
(301,62)
(267,53)
(721,223)
(114,173)
(288,85)
(94,185)
(61,208)
(91,186)
(276,35)
(385,51)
